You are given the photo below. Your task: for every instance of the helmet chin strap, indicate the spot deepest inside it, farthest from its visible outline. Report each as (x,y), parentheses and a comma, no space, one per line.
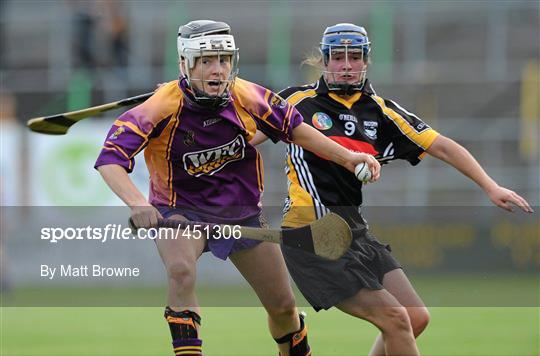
(202,99)
(344,88)
(210,101)
(348,89)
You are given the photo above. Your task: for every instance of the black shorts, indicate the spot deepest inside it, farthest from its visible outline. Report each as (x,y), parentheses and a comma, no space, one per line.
(325,283)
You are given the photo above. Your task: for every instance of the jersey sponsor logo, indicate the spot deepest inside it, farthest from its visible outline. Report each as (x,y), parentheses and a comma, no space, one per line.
(355,145)
(388,153)
(211,160)
(210,122)
(420,127)
(277,101)
(321,121)
(370,129)
(347,117)
(117,133)
(189,137)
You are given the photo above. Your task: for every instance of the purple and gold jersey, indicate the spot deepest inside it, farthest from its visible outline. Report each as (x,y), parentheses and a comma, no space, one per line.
(201,159)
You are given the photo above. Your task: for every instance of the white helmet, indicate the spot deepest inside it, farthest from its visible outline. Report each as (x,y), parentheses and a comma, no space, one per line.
(207,38)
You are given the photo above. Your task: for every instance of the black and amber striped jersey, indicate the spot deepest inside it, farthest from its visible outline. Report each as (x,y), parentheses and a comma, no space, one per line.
(365,122)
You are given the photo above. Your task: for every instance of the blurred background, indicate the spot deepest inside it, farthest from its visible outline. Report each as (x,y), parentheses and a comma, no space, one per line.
(469,69)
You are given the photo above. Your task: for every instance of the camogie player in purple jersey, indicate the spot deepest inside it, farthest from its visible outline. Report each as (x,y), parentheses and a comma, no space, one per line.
(367,282)
(195,133)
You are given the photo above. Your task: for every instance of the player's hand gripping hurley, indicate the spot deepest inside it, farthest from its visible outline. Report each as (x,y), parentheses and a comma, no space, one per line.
(328,237)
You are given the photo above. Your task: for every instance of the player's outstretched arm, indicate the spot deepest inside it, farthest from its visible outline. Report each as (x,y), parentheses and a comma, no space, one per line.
(457,156)
(314,141)
(143,214)
(258,138)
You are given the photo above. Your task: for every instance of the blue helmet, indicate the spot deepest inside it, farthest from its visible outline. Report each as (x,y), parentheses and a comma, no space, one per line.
(345,37)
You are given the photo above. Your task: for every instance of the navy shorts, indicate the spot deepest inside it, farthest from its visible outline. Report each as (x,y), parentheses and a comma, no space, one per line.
(325,283)
(221,248)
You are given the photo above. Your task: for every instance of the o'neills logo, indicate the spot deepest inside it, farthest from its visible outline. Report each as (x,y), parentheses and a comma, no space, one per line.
(211,160)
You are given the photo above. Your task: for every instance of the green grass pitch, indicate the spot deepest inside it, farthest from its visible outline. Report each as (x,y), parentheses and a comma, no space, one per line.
(235,330)
(242,331)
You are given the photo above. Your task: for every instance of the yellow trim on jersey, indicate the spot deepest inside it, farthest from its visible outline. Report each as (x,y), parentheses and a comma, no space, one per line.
(176,118)
(132,126)
(168,158)
(266,99)
(157,157)
(135,130)
(423,139)
(287,118)
(118,148)
(269,112)
(246,95)
(149,114)
(245,120)
(302,210)
(260,172)
(349,102)
(300,95)
(158,167)
(114,149)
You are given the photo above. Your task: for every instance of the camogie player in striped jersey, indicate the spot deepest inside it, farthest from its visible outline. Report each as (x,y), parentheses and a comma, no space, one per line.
(196,134)
(367,282)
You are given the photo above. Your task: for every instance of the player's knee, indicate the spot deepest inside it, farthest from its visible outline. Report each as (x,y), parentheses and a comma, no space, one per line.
(395,319)
(182,272)
(419,319)
(285,307)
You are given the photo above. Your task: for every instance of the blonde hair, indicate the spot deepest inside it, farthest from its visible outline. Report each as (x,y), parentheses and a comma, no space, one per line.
(314,60)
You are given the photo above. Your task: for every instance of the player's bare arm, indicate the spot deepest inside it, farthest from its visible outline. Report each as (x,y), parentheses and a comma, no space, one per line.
(314,141)
(460,158)
(340,153)
(258,138)
(143,213)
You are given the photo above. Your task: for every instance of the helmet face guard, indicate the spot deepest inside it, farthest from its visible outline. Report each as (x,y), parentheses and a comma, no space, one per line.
(345,39)
(206,38)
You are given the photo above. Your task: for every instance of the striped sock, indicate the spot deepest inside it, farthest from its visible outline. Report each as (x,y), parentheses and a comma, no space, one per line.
(183,326)
(187,347)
